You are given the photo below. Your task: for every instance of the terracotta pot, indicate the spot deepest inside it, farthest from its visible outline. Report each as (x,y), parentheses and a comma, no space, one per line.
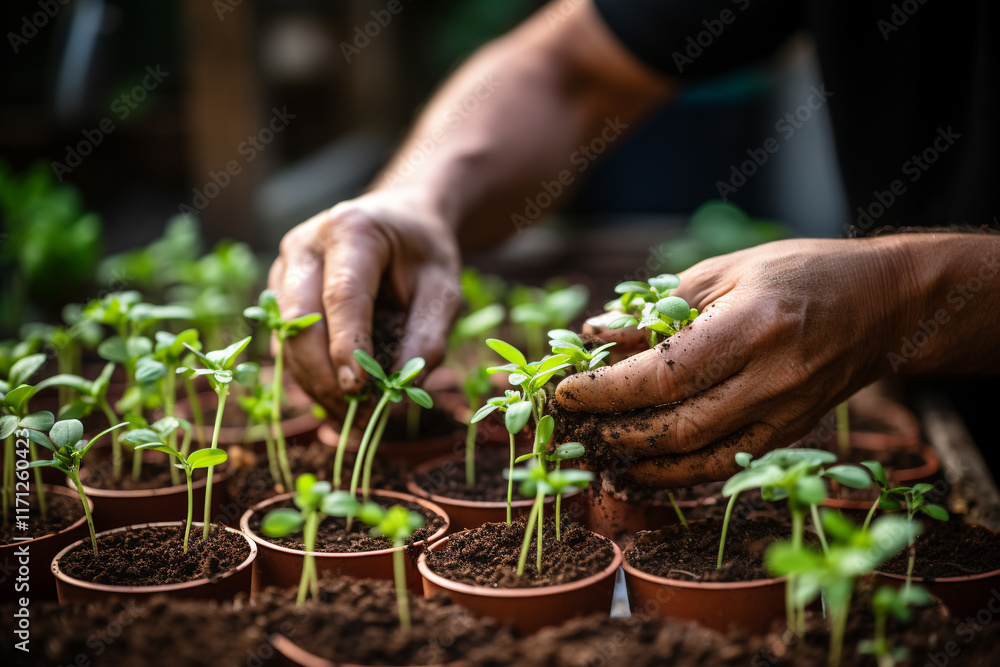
(223,587)
(115,508)
(465,514)
(746,606)
(898,477)
(296,656)
(299,429)
(528,609)
(408,452)
(964,596)
(281,566)
(41,550)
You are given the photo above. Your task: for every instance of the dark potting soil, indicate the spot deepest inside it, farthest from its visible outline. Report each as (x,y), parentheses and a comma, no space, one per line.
(62,511)
(487,556)
(152,556)
(691,554)
(449,480)
(333,537)
(951,548)
(434,423)
(155,475)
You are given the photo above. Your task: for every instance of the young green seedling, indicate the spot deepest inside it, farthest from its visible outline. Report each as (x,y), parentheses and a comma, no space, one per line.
(353,400)
(794,475)
(538,482)
(393,387)
(65,441)
(397,524)
(153,438)
(651,306)
(536,310)
(853,552)
(565,342)
(517,412)
(315,501)
(530,377)
(217,368)
(268,313)
(564,452)
(890,601)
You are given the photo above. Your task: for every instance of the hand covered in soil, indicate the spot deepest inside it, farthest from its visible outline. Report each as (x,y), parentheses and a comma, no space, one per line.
(339,262)
(787,331)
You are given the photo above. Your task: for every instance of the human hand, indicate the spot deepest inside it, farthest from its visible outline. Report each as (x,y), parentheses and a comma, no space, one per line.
(787,331)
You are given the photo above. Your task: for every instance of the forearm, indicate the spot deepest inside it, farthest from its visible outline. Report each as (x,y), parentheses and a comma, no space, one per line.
(515,116)
(956,291)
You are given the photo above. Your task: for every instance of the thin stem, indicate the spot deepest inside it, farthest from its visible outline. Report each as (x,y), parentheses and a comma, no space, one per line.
(272,458)
(881,643)
(910,563)
(523,558)
(680,514)
(345,433)
(871,513)
(798,524)
(43,503)
(75,476)
(309,537)
(169,399)
(510,480)
(222,391)
(839,624)
(117,461)
(470,444)
(725,529)
(399,576)
(196,412)
(8,482)
(843,430)
(276,432)
(366,481)
(540,500)
(136,461)
(190,515)
(814,512)
(363,447)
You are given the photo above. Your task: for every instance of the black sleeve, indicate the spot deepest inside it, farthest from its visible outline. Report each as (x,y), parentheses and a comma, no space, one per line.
(698,38)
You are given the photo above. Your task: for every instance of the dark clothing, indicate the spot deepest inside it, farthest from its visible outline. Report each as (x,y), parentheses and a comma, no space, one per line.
(910,85)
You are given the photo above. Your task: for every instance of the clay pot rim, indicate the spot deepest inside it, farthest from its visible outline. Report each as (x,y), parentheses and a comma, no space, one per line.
(528,592)
(158,588)
(416,490)
(292,651)
(60,490)
(430,539)
(631,570)
(942,580)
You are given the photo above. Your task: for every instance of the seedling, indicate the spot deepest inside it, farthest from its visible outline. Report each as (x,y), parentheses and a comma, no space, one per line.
(538,482)
(651,306)
(153,438)
(843,429)
(268,313)
(889,601)
(315,501)
(517,412)
(564,341)
(794,475)
(537,310)
(258,406)
(530,377)
(397,523)
(66,341)
(345,431)
(393,387)
(65,441)
(217,368)
(853,552)
(564,452)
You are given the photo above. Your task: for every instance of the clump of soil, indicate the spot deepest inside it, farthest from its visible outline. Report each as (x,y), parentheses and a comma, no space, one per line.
(950,549)
(449,480)
(333,536)
(62,512)
(154,556)
(691,554)
(487,556)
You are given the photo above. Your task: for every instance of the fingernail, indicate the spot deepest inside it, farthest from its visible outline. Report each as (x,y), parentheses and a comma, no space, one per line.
(348,381)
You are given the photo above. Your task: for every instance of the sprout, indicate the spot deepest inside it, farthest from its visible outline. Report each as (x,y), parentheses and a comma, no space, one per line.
(537,310)
(154,437)
(268,313)
(651,306)
(565,342)
(397,523)
(516,411)
(896,602)
(65,441)
(217,368)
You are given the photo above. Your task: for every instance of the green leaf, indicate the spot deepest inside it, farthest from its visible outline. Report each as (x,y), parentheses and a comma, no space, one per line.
(572,476)
(674,307)
(751,478)
(23,369)
(664,281)
(634,287)
(17,397)
(204,458)
(255,313)
(42,439)
(159,447)
(304,483)
(281,522)
(39,421)
(544,429)
(97,437)
(517,416)
(623,322)
(410,370)
(340,503)
(743,459)
(525,457)
(74,382)
(66,433)
(420,397)
(142,436)
(921,489)
(8,424)
(50,463)
(482,413)
(566,336)
(782,558)
(371,513)
(810,490)
(224,358)
(113,349)
(507,351)
(878,472)
(299,323)
(150,370)
(368,363)
(567,451)
(935,511)
(851,476)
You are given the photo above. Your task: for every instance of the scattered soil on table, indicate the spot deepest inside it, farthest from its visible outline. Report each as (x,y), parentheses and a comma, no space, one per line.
(153,556)
(950,549)
(99,472)
(691,554)
(333,537)
(449,479)
(62,511)
(487,556)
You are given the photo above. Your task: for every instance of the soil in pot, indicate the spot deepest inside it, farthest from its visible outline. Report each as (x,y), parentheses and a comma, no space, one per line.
(487,556)
(63,511)
(950,549)
(691,554)
(449,479)
(155,474)
(153,556)
(333,536)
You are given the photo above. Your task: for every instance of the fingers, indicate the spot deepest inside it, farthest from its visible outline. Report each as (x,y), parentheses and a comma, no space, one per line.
(352,272)
(431,313)
(699,356)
